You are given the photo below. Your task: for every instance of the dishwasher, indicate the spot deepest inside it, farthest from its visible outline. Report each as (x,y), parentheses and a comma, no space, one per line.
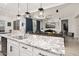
(4,46)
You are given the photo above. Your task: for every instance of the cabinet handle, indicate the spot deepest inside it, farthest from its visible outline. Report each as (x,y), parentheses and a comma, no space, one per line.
(24,47)
(42,54)
(10,48)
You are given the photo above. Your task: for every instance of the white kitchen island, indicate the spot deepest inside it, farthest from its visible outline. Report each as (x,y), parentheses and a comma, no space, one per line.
(34,45)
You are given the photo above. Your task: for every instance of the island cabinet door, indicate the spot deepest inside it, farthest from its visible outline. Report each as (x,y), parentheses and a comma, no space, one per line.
(25,50)
(12,48)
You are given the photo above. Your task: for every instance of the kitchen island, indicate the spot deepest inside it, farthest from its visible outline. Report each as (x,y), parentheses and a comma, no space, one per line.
(34,45)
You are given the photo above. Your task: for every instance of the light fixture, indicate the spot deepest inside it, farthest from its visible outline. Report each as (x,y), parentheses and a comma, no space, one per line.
(41,11)
(18,15)
(27,13)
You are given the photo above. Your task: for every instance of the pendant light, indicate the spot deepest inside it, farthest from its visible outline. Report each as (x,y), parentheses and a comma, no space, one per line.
(27,13)
(41,11)
(18,15)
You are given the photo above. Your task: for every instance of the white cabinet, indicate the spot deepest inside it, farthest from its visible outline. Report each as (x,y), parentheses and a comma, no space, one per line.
(38,52)
(15,48)
(12,48)
(25,50)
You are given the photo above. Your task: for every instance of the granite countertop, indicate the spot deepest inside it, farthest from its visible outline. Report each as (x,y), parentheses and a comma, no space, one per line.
(34,42)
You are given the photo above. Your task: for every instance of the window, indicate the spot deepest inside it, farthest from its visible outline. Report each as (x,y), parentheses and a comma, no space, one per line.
(9,23)
(16,25)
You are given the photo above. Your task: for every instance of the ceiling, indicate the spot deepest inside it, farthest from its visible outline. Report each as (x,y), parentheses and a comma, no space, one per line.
(11,9)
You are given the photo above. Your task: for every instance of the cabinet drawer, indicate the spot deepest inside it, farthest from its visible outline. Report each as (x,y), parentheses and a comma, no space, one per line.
(13,42)
(38,52)
(25,50)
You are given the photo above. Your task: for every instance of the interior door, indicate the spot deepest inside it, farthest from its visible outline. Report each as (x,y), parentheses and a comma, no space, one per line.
(38,26)
(64,27)
(29,25)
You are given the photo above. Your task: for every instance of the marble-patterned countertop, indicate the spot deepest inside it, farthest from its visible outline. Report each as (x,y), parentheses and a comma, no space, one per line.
(47,43)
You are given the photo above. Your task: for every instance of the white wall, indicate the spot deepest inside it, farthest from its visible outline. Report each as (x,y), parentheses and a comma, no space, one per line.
(67,11)
(22,29)
(6,19)
(76,27)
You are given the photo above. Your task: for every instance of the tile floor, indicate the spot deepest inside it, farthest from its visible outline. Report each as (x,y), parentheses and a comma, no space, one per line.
(71,47)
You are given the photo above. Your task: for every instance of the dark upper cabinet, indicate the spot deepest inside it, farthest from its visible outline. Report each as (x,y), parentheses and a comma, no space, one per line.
(29,25)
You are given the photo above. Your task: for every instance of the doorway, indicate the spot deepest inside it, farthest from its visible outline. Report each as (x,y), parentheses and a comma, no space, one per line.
(29,25)
(64,27)
(38,26)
